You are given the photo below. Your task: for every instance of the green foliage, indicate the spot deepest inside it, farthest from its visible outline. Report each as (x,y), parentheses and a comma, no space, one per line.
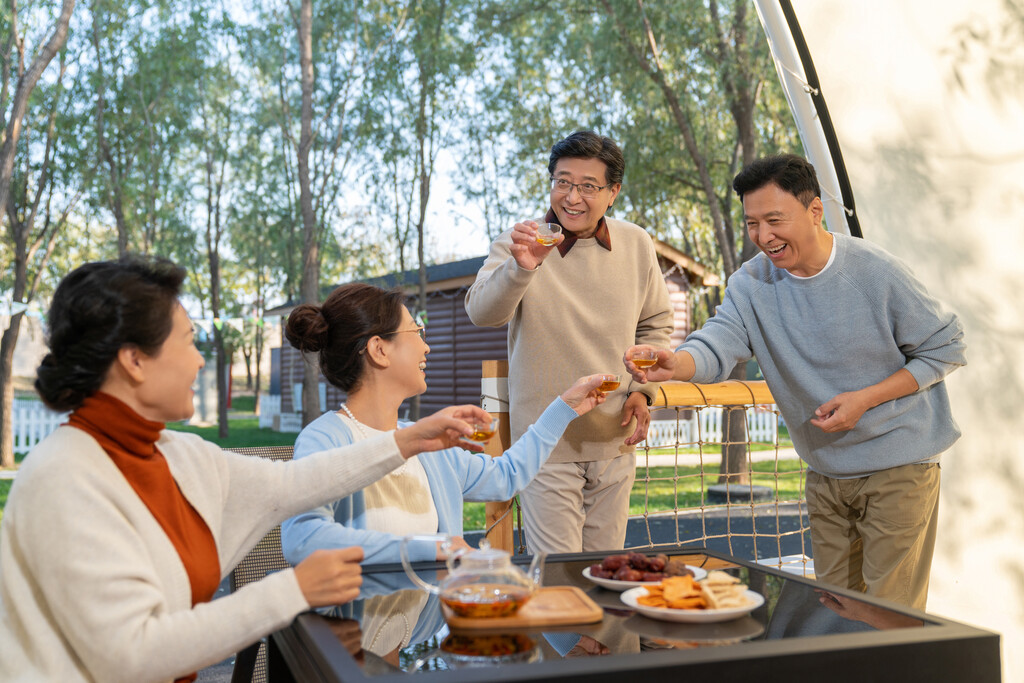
(403,92)
(558,68)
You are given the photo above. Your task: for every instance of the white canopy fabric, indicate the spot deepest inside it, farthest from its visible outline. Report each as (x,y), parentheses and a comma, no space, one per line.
(927,102)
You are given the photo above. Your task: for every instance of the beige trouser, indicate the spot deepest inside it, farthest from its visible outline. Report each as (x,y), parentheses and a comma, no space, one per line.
(876,534)
(577,506)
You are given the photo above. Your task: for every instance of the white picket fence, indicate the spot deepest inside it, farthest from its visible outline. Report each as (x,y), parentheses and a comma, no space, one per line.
(33,422)
(270,405)
(706,426)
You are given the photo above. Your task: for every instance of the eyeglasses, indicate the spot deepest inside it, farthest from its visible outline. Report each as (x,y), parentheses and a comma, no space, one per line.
(563,186)
(419,329)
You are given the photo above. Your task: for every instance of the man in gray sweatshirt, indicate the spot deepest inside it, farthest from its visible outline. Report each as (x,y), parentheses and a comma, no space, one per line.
(854,351)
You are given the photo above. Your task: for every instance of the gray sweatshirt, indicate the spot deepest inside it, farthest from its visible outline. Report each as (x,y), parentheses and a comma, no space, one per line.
(855,323)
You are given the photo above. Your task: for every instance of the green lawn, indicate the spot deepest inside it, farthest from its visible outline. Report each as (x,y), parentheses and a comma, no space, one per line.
(5,488)
(241,432)
(669,488)
(243,404)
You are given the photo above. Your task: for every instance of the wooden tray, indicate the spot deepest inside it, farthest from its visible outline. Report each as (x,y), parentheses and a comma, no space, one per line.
(549,606)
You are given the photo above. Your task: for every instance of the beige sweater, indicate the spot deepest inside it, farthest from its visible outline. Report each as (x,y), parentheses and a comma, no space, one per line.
(570,317)
(91,588)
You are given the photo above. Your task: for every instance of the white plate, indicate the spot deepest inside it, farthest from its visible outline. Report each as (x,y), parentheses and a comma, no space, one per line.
(613,585)
(691,616)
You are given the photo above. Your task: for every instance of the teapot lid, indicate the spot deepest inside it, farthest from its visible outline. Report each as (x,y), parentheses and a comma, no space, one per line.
(486,555)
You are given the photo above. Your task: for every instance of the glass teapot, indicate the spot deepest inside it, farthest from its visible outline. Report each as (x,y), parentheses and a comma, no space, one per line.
(480,583)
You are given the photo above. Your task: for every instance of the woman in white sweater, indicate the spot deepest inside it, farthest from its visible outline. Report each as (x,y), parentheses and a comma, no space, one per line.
(117,532)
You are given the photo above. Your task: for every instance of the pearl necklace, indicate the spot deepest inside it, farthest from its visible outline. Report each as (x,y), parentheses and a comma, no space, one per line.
(366,435)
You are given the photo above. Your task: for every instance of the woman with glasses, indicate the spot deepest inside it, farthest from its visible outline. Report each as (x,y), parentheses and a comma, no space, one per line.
(370,347)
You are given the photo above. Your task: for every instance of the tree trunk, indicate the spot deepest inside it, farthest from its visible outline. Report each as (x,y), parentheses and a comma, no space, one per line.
(223,385)
(733,468)
(421,223)
(259,352)
(26,84)
(115,200)
(7,344)
(311,245)
(247,359)
(19,104)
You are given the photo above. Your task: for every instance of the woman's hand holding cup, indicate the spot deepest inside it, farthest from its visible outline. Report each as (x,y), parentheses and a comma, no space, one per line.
(441,430)
(585,394)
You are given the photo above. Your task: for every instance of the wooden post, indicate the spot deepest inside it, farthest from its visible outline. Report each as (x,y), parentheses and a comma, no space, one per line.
(494,399)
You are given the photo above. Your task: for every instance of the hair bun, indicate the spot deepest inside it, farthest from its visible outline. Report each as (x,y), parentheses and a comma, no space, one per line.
(62,388)
(307,328)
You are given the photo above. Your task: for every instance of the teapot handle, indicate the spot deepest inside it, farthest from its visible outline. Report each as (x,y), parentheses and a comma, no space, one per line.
(407,565)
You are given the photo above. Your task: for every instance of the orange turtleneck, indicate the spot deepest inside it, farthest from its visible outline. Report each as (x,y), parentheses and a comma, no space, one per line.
(130,441)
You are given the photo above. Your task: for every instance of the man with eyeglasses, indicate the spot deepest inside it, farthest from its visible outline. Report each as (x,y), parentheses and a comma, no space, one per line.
(568,307)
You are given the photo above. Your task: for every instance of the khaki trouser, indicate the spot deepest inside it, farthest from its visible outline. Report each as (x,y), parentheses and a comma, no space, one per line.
(876,534)
(578,506)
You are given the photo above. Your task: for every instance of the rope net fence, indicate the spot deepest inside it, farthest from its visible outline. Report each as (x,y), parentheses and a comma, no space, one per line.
(683,496)
(751,507)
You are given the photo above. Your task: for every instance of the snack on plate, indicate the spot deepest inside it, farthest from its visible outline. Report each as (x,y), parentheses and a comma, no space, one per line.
(718,591)
(676,566)
(676,592)
(638,567)
(723,591)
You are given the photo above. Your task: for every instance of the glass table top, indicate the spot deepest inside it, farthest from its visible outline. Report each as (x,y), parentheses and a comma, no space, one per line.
(395,627)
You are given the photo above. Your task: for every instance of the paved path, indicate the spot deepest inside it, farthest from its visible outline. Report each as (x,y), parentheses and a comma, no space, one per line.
(708,458)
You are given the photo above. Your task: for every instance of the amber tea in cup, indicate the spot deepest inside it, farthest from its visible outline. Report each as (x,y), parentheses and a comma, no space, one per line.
(547,233)
(644,358)
(482,432)
(609,383)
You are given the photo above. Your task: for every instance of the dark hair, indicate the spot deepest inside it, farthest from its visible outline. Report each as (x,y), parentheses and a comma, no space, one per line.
(790,172)
(98,309)
(586,144)
(340,329)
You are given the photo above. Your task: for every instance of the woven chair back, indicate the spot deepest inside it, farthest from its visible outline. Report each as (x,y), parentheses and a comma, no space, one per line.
(264,559)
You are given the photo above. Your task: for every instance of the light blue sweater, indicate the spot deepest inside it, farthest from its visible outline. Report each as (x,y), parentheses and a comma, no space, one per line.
(853,325)
(454,475)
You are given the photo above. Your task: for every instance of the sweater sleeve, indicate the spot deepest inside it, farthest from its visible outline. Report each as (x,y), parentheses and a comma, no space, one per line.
(930,337)
(481,478)
(333,525)
(721,343)
(499,286)
(485,478)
